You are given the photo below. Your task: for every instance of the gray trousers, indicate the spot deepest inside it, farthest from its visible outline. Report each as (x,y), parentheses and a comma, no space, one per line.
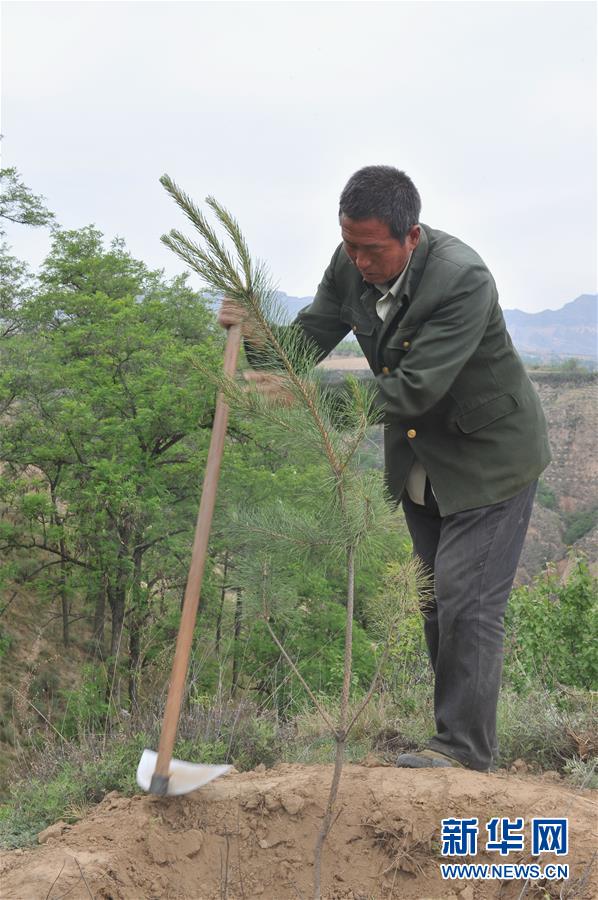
(473,557)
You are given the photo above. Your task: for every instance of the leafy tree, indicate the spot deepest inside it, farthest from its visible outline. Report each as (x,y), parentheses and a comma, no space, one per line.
(16,286)
(18,204)
(103,447)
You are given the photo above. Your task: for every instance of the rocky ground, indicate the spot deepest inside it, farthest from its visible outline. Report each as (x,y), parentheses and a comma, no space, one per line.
(252,835)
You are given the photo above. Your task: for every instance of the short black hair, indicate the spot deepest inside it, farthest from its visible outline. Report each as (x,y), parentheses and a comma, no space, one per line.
(384,193)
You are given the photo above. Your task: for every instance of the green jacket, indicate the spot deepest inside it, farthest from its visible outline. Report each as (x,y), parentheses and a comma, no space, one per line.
(453,389)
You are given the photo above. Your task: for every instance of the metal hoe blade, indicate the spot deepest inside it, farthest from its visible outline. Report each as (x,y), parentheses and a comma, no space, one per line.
(183,777)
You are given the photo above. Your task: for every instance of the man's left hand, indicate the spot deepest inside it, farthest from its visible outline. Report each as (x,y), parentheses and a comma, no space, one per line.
(270,386)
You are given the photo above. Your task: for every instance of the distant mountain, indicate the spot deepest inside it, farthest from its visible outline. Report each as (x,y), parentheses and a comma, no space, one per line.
(552,333)
(569,331)
(293,304)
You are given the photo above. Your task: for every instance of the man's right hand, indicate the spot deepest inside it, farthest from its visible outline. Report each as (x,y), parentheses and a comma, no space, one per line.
(231,313)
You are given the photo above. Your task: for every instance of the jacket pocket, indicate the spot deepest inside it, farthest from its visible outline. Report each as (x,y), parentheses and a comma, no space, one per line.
(487,413)
(397,345)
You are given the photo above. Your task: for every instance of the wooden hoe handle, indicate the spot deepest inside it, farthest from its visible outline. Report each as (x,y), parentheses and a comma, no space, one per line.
(159,782)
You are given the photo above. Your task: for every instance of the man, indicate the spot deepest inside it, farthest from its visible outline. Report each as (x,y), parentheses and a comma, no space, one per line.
(465,437)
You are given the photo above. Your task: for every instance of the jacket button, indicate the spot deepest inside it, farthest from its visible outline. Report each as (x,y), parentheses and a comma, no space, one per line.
(385,370)
(411,433)
(354,329)
(406,344)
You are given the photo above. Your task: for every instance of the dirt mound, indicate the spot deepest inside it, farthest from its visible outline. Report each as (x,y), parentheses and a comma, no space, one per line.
(252,836)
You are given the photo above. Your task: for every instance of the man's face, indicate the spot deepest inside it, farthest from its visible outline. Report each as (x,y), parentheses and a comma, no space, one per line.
(378,255)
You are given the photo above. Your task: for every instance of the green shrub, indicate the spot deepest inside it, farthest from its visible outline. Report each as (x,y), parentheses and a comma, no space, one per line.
(583,772)
(86,706)
(245,740)
(546,496)
(579,524)
(550,632)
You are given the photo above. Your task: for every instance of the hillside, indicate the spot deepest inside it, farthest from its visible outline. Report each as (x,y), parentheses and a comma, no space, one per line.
(570,483)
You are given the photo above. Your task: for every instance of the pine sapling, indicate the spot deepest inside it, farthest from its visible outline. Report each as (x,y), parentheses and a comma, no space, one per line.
(354,514)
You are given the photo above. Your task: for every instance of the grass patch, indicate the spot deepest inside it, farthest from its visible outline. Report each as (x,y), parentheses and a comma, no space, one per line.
(387,726)
(64,778)
(546,728)
(583,772)
(549,729)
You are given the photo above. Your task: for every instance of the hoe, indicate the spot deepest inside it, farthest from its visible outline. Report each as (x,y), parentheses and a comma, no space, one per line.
(158,772)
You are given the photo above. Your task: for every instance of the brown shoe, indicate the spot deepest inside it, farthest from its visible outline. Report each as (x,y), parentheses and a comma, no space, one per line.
(427,759)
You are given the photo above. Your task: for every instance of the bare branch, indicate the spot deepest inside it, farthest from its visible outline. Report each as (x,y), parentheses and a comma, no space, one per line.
(304,683)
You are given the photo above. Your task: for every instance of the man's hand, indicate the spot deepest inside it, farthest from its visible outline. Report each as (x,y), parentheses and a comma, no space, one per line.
(270,386)
(231,313)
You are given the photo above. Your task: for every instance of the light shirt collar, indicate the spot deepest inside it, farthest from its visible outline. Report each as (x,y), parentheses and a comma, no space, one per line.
(390,291)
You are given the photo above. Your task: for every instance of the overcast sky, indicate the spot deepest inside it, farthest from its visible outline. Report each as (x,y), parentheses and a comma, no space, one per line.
(490,107)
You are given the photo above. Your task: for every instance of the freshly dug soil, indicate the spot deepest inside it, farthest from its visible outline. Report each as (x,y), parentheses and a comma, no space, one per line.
(252,835)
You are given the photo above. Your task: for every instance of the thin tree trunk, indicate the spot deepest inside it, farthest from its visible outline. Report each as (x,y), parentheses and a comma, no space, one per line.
(221,610)
(56,519)
(116,598)
(118,592)
(341,734)
(64,599)
(99,619)
(65,619)
(237,634)
(134,623)
(133,663)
